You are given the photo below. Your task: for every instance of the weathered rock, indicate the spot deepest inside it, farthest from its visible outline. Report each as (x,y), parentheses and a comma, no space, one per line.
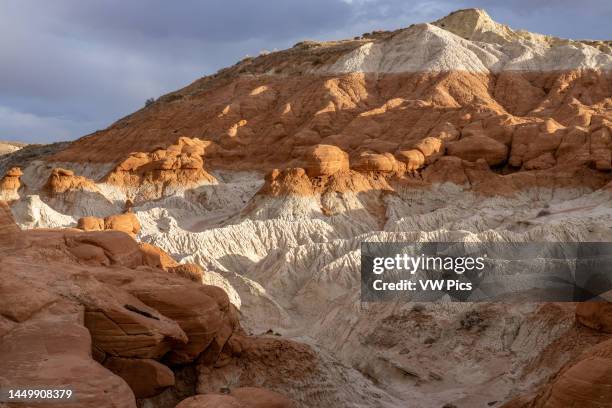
(473,148)
(178,166)
(201,311)
(155,256)
(446,169)
(121,325)
(385,163)
(118,247)
(10,183)
(145,377)
(54,351)
(542,162)
(127,223)
(325,160)
(431,147)
(445,131)
(90,224)
(414,159)
(62,180)
(533,140)
(190,271)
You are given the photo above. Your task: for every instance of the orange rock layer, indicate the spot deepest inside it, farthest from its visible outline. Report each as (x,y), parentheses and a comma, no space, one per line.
(527,120)
(179,165)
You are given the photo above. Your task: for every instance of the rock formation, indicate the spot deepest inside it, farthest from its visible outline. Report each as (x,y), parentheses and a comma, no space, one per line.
(251,191)
(10,183)
(134,319)
(62,181)
(180,165)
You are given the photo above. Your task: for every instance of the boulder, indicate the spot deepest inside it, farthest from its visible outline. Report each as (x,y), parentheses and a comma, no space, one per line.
(201,311)
(261,398)
(190,271)
(325,160)
(145,377)
(385,163)
(90,224)
(431,147)
(123,326)
(54,351)
(445,131)
(155,256)
(414,159)
(127,223)
(473,129)
(473,148)
(10,183)
(118,247)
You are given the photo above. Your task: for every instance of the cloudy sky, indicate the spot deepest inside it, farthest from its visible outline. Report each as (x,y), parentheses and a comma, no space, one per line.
(70,67)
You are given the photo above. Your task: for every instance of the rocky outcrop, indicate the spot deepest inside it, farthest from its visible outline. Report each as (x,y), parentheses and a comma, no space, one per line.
(145,377)
(476,147)
(375,162)
(325,160)
(413,159)
(137,319)
(62,181)
(10,183)
(178,166)
(53,350)
(90,224)
(127,223)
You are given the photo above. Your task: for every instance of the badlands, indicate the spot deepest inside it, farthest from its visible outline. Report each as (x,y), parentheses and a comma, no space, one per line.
(204,250)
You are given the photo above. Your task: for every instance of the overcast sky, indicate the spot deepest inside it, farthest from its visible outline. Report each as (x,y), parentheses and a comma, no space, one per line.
(70,67)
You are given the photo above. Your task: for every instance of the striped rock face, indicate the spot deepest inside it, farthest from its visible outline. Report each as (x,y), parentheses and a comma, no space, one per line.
(270,174)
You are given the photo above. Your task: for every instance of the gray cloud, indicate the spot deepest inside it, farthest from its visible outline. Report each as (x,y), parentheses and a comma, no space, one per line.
(69,67)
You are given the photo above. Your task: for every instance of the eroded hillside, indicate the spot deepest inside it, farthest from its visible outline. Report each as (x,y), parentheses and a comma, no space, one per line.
(269,174)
